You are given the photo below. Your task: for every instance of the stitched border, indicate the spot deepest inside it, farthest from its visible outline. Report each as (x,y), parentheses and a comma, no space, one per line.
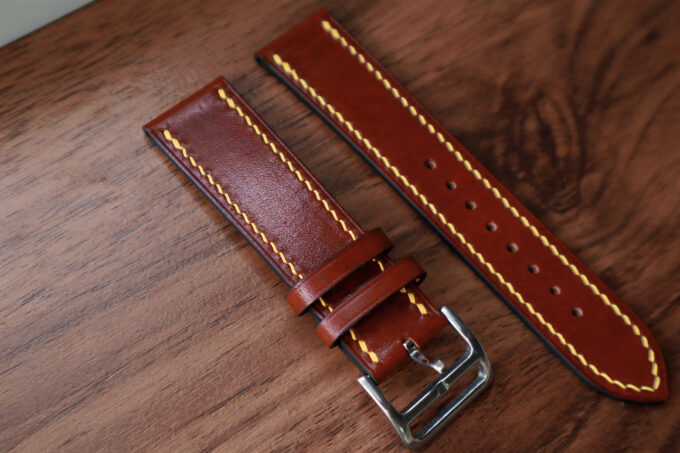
(440,137)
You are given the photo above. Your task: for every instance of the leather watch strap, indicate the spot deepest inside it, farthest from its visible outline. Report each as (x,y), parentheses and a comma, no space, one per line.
(245,170)
(562,300)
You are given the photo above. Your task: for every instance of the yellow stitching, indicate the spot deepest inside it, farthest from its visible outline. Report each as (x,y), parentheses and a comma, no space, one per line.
(286,67)
(308,185)
(411,298)
(178,146)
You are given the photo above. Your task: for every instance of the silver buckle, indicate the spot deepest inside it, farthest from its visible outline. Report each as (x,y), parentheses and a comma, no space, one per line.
(474,356)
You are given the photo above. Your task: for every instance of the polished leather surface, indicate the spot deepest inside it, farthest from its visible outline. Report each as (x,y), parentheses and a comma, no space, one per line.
(245,170)
(368,298)
(562,300)
(337,268)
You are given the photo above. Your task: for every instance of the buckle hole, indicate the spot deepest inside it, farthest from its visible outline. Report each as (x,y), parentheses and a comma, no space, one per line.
(491,226)
(577,312)
(471,205)
(450,185)
(430,163)
(534,270)
(555,290)
(512,247)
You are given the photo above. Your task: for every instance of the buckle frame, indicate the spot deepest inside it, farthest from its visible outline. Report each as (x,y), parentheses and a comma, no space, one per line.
(402,420)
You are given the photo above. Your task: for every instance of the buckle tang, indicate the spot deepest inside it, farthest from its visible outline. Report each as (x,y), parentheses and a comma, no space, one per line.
(401,421)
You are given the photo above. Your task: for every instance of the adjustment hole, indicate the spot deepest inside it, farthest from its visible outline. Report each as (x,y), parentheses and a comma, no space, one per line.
(450,185)
(429,163)
(555,290)
(512,247)
(491,226)
(534,270)
(577,312)
(471,205)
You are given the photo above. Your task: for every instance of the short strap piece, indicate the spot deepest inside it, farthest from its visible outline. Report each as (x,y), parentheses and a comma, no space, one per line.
(223,146)
(366,298)
(336,269)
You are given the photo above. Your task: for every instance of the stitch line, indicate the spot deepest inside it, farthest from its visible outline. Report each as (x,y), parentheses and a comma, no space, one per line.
(308,185)
(367,144)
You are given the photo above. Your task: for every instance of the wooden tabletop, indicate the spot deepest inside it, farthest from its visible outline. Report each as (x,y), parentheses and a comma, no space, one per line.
(134,317)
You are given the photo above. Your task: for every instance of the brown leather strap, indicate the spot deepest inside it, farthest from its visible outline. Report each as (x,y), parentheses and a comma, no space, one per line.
(245,170)
(562,300)
(337,268)
(368,297)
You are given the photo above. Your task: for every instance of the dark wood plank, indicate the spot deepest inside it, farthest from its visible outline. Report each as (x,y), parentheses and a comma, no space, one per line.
(135,318)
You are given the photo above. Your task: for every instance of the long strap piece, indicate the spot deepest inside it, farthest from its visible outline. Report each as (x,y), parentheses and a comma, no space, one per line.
(247,172)
(544,283)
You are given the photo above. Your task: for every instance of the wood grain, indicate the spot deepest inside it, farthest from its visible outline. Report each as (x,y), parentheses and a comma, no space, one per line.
(133,317)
